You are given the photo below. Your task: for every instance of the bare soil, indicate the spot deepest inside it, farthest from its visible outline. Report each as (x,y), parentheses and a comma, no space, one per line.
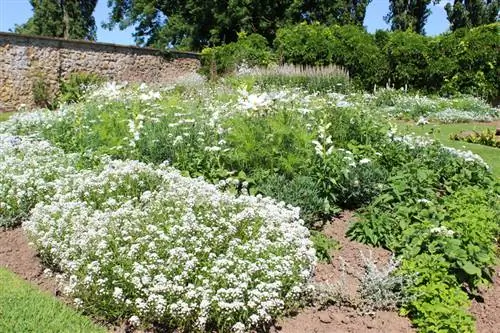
(17,256)
(347,265)
(487,312)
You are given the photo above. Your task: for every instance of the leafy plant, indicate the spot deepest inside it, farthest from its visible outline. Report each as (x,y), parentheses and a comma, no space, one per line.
(73,89)
(487,137)
(323,245)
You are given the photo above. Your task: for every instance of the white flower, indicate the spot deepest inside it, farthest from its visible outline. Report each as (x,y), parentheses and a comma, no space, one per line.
(134,321)
(443,231)
(364,161)
(422,121)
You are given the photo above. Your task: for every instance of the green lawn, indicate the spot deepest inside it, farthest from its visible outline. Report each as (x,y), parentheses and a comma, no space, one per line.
(442,133)
(5,115)
(25,309)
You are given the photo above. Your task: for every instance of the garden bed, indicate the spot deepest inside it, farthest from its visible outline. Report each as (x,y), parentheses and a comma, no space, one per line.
(201,208)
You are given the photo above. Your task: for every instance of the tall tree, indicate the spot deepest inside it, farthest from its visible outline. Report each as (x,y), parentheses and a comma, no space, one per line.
(472,13)
(193,23)
(61,18)
(408,14)
(329,12)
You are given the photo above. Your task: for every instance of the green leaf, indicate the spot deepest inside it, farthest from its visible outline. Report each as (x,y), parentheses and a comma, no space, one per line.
(470,268)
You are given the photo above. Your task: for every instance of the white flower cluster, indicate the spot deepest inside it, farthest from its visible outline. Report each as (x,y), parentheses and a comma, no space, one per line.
(442,231)
(27,171)
(459,116)
(467,156)
(155,246)
(410,140)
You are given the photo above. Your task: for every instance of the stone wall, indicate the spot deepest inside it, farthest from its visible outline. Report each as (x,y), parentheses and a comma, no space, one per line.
(28,59)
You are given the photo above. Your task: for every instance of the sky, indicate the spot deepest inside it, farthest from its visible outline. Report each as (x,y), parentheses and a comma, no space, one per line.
(14,12)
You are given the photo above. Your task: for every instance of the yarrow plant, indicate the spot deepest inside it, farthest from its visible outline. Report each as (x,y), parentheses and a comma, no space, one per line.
(146,243)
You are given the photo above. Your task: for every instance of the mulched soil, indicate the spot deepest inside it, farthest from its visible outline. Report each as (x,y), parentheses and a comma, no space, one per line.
(17,256)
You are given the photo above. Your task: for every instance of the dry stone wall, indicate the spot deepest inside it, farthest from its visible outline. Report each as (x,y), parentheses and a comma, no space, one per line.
(26,59)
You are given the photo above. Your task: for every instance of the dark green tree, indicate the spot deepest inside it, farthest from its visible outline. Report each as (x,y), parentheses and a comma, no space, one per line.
(192,24)
(70,19)
(408,14)
(472,13)
(329,12)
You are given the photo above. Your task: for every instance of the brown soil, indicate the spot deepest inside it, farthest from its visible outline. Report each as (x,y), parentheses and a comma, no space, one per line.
(347,266)
(17,256)
(487,312)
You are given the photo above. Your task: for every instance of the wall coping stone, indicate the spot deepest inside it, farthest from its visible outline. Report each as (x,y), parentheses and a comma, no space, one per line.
(65,43)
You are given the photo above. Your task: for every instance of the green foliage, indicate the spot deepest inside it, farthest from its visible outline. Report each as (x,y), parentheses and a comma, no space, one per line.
(348,46)
(40,89)
(305,44)
(443,222)
(193,24)
(487,137)
(466,62)
(440,304)
(73,89)
(323,245)
(251,50)
(407,54)
(278,142)
(70,19)
(472,13)
(408,15)
(357,51)
(300,191)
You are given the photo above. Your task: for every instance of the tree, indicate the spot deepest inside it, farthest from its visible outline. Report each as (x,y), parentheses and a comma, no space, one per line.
(408,14)
(61,18)
(472,13)
(193,24)
(329,12)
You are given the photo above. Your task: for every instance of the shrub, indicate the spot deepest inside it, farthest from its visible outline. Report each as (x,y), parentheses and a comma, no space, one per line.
(486,137)
(346,46)
(251,50)
(356,50)
(42,96)
(135,240)
(305,44)
(73,89)
(408,57)
(300,191)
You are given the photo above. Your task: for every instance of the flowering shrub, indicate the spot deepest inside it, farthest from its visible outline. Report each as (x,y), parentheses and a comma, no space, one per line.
(148,244)
(27,171)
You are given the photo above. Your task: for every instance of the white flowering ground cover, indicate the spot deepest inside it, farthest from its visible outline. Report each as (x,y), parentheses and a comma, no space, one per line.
(27,169)
(146,243)
(117,192)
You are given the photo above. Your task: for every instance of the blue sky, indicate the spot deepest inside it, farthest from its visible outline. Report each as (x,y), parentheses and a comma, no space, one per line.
(18,11)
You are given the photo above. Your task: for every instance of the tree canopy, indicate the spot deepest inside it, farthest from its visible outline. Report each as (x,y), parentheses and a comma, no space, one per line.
(61,18)
(408,14)
(193,24)
(472,13)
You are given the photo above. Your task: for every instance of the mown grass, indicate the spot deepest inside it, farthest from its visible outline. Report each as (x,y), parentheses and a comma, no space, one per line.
(25,309)
(5,115)
(442,132)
